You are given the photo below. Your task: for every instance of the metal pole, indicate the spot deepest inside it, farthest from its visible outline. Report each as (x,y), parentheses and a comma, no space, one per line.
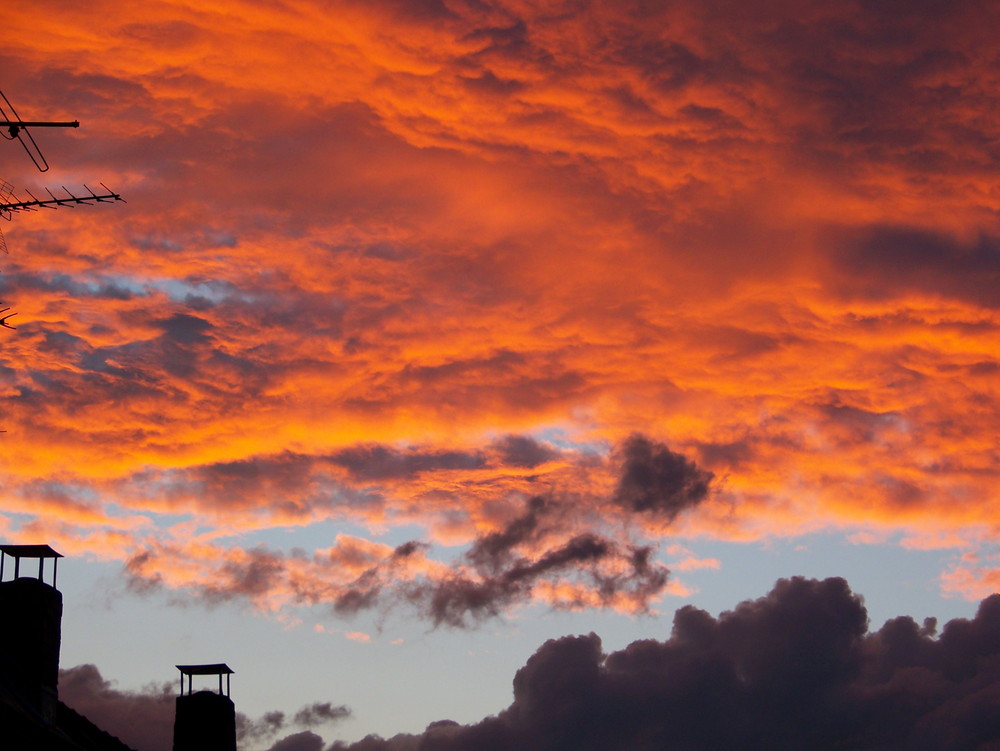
(3,557)
(17,566)
(41,565)
(227,684)
(38,124)
(55,570)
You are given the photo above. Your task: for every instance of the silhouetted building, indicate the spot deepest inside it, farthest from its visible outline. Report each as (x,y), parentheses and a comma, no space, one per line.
(205,720)
(31,715)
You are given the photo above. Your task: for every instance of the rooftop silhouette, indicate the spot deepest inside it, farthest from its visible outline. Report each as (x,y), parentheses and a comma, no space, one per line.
(31,715)
(204,720)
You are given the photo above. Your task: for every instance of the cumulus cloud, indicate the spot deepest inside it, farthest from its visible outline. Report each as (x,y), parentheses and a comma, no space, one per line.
(796,668)
(304,741)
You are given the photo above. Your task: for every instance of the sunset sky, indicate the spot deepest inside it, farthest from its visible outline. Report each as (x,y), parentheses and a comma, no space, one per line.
(435,329)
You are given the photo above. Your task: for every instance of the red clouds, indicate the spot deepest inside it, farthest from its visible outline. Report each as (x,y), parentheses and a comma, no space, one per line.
(415,263)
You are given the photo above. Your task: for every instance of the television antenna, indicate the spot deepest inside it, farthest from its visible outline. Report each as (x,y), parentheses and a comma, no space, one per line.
(11,204)
(9,207)
(13,127)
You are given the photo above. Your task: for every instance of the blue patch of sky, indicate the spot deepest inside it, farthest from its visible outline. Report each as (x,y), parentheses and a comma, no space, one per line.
(180,290)
(101,285)
(104,285)
(78,492)
(17,518)
(561,438)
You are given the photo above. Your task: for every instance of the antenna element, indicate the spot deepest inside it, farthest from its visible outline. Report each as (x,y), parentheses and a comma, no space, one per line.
(18,128)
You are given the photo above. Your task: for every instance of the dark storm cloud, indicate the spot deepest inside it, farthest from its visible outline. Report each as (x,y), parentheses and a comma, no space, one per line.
(655,479)
(795,669)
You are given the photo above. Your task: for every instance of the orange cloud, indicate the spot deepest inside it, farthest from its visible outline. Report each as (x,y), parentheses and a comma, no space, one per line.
(412,264)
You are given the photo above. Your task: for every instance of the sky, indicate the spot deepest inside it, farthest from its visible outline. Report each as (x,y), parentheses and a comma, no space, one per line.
(436,335)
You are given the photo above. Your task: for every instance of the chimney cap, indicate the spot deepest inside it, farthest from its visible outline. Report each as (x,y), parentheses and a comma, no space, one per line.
(218,668)
(30,551)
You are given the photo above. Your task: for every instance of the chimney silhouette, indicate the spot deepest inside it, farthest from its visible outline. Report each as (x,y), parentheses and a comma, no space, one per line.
(30,627)
(205,720)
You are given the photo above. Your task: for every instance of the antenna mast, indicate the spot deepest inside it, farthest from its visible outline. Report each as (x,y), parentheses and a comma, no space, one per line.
(13,127)
(18,128)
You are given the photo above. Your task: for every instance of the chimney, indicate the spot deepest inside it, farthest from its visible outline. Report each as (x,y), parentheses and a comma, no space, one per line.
(30,627)
(205,720)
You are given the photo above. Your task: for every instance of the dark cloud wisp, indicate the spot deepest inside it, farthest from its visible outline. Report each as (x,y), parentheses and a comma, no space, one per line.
(653,479)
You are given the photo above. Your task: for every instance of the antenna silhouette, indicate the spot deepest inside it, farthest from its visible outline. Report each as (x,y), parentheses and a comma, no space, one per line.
(17,128)
(13,126)
(6,195)
(8,207)
(10,204)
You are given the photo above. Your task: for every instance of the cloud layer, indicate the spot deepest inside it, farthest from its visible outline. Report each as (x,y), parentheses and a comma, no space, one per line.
(698,269)
(557,551)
